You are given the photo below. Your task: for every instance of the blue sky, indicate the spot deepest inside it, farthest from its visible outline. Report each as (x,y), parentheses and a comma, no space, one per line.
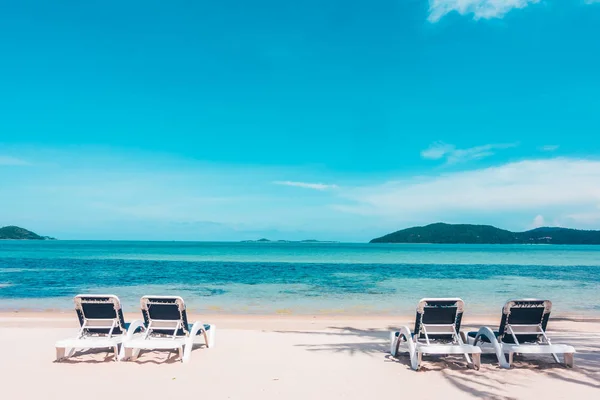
(193,120)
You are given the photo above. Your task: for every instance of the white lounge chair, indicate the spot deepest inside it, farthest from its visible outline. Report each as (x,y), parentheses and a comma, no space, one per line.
(522,330)
(102,326)
(437,331)
(166,327)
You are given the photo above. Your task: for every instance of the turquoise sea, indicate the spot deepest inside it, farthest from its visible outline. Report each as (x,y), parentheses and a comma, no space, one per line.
(299,278)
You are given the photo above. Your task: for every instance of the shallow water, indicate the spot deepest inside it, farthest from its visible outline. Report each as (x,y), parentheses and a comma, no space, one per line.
(298,278)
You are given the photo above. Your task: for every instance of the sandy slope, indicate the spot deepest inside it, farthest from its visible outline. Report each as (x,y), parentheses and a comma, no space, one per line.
(285,358)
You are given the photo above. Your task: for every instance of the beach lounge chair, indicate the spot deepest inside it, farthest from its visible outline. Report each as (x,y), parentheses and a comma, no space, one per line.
(522,330)
(166,327)
(102,325)
(437,331)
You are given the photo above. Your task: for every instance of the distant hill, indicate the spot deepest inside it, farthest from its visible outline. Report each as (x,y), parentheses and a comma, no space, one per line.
(486,234)
(17,233)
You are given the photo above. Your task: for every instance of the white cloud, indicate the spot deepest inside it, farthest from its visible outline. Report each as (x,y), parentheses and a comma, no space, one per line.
(8,160)
(589,217)
(306,185)
(437,150)
(452,155)
(550,147)
(481,9)
(559,185)
(538,221)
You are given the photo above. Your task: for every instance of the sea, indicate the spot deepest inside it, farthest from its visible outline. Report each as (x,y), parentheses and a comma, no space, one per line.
(299,278)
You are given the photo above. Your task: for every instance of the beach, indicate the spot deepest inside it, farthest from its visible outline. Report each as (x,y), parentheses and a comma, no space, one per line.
(294,321)
(288,357)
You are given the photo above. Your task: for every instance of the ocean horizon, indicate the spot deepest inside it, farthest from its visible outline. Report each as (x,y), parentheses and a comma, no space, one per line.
(298,278)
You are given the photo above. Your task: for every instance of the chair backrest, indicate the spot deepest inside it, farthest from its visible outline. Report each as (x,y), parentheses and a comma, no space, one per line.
(165,315)
(99,314)
(525,319)
(437,316)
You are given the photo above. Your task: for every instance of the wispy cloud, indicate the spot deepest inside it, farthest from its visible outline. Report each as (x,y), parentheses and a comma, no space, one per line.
(538,221)
(549,147)
(453,155)
(591,1)
(306,185)
(590,218)
(119,198)
(559,185)
(481,9)
(13,161)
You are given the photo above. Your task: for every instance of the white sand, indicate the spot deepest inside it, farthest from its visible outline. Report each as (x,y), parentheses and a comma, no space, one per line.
(285,358)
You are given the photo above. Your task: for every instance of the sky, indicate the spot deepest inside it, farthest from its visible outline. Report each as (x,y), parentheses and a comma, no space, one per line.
(233,120)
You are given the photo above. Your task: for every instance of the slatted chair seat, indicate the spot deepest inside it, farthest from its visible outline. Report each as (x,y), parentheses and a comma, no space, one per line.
(522,329)
(101,326)
(436,331)
(166,326)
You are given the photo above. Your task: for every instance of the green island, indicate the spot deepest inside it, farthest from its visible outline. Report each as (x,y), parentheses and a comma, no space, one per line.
(441,233)
(18,233)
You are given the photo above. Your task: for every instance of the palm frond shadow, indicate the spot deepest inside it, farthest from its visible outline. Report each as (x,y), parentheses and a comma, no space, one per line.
(489,382)
(158,356)
(89,356)
(480,386)
(377,343)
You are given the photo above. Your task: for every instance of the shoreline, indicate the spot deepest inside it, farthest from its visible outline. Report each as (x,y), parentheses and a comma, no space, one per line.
(289,313)
(67,318)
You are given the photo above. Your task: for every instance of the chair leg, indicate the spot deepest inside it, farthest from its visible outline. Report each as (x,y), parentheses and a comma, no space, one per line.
(60,353)
(187,350)
(123,353)
(569,360)
(467,358)
(135,353)
(476,360)
(510,358)
(212,332)
(393,344)
(180,351)
(556,358)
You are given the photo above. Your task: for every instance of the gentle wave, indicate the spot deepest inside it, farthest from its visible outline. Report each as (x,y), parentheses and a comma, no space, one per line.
(35,270)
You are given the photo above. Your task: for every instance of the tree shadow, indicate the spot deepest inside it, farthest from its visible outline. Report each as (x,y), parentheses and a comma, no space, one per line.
(477,385)
(490,381)
(172,357)
(376,345)
(89,356)
(586,371)
(572,319)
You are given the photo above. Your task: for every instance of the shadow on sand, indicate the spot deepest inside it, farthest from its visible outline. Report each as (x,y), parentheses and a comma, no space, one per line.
(490,382)
(100,356)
